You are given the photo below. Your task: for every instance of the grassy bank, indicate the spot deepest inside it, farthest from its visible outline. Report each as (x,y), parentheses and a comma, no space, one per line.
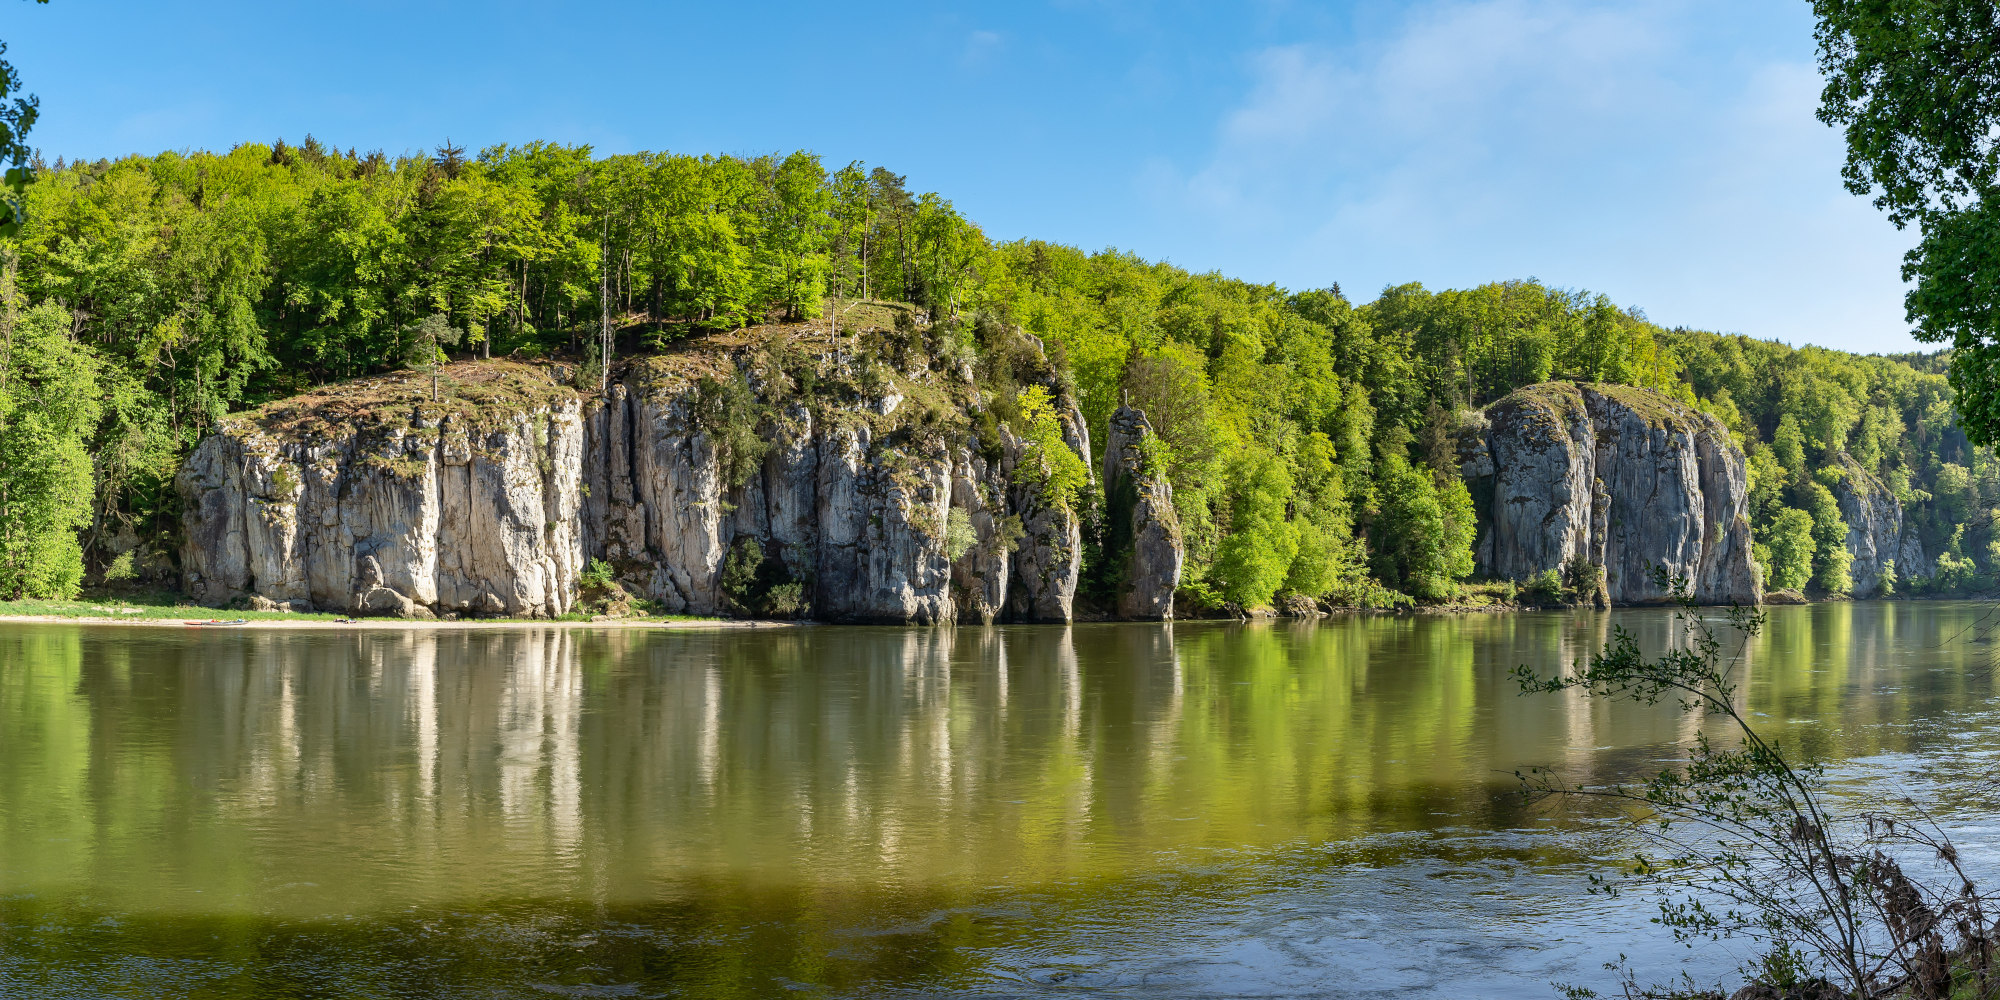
(169,606)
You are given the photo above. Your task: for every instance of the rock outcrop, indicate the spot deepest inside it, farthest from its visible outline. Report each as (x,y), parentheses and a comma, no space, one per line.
(471,508)
(792,472)
(1141,529)
(1614,478)
(1876,531)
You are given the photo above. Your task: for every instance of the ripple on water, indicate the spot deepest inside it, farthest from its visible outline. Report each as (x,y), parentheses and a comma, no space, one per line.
(1109,811)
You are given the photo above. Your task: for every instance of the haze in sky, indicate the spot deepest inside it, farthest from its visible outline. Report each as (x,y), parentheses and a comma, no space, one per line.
(1663,152)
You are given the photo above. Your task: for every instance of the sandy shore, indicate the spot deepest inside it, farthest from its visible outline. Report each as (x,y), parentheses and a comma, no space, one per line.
(398,623)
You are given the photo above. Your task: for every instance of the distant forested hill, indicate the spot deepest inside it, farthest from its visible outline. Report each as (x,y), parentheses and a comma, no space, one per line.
(1309,439)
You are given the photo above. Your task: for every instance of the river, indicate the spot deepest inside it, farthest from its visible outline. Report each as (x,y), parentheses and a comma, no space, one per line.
(1202,809)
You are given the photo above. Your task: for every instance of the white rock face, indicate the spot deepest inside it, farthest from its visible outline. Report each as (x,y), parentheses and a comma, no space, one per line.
(1141,507)
(1876,531)
(980,574)
(497,509)
(411,521)
(1623,478)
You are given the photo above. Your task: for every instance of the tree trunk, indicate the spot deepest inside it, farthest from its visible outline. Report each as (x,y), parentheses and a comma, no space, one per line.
(604,342)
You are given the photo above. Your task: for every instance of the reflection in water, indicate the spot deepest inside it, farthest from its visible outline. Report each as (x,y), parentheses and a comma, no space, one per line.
(1293,807)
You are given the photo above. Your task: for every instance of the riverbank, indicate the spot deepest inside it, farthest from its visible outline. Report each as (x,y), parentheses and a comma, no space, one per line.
(161,609)
(168,608)
(407,623)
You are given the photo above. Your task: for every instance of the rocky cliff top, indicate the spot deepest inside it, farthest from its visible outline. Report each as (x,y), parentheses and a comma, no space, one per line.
(866,361)
(471,391)
(1568,402)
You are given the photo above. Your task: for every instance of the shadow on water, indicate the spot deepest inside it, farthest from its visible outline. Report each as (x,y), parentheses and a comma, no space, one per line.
(1316,808)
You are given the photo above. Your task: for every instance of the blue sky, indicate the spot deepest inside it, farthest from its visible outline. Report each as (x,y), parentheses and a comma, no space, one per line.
(1664,153)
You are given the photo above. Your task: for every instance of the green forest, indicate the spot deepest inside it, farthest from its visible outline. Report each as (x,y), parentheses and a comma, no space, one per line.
(1310,440)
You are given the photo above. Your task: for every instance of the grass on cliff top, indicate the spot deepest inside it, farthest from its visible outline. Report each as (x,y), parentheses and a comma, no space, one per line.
(464,388)
(718,354)
(1656,408)
(1560,399)
(478,394)
(1565,399)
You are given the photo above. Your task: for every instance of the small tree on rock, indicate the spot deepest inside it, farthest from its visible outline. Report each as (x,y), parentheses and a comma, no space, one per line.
(424,344)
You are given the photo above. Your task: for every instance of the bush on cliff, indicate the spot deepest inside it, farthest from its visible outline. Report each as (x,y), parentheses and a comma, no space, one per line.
(1049,465)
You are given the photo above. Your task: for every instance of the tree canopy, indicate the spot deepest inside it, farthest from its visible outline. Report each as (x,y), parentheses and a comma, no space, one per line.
(1915,84)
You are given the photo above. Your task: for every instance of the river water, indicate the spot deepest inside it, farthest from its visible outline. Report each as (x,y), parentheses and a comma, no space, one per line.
(1201,809)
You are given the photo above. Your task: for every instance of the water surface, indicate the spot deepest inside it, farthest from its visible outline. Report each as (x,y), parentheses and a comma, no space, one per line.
(1288,809)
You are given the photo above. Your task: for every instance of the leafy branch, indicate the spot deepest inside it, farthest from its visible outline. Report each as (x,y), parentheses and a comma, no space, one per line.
(1743,842)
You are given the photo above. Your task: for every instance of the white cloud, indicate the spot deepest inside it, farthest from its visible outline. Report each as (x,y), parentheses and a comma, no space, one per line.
(1629,148)
(981,48)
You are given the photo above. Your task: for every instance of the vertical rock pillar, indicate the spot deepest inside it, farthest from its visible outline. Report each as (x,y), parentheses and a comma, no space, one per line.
(1141,528)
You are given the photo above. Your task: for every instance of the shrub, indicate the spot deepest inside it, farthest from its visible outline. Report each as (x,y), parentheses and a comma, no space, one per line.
(730,412)
(1049,462)
(1545,587)
(758,583)
(959,538)
(1583,579)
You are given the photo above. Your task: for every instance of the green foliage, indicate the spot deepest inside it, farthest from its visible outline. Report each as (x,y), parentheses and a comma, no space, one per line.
(1049,463)
(1171,386)
(1257,555)
(1954,570)
(1319,562)
(1788,444)
(1831,559)
(1790,542)
(208,282)
(1912,86)
(49,408)
(1583,579)
(757,582)
(959,538)
(424,341)
(731,414)
(1424,532)
(1545,587)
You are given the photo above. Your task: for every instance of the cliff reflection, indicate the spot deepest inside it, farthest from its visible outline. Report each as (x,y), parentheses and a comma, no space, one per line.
(314,773)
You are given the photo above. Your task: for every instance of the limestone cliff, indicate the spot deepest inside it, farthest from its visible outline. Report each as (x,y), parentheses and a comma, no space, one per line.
(1142,530)
(1876,532)
(786,471)
(1612,477)
(337,501)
